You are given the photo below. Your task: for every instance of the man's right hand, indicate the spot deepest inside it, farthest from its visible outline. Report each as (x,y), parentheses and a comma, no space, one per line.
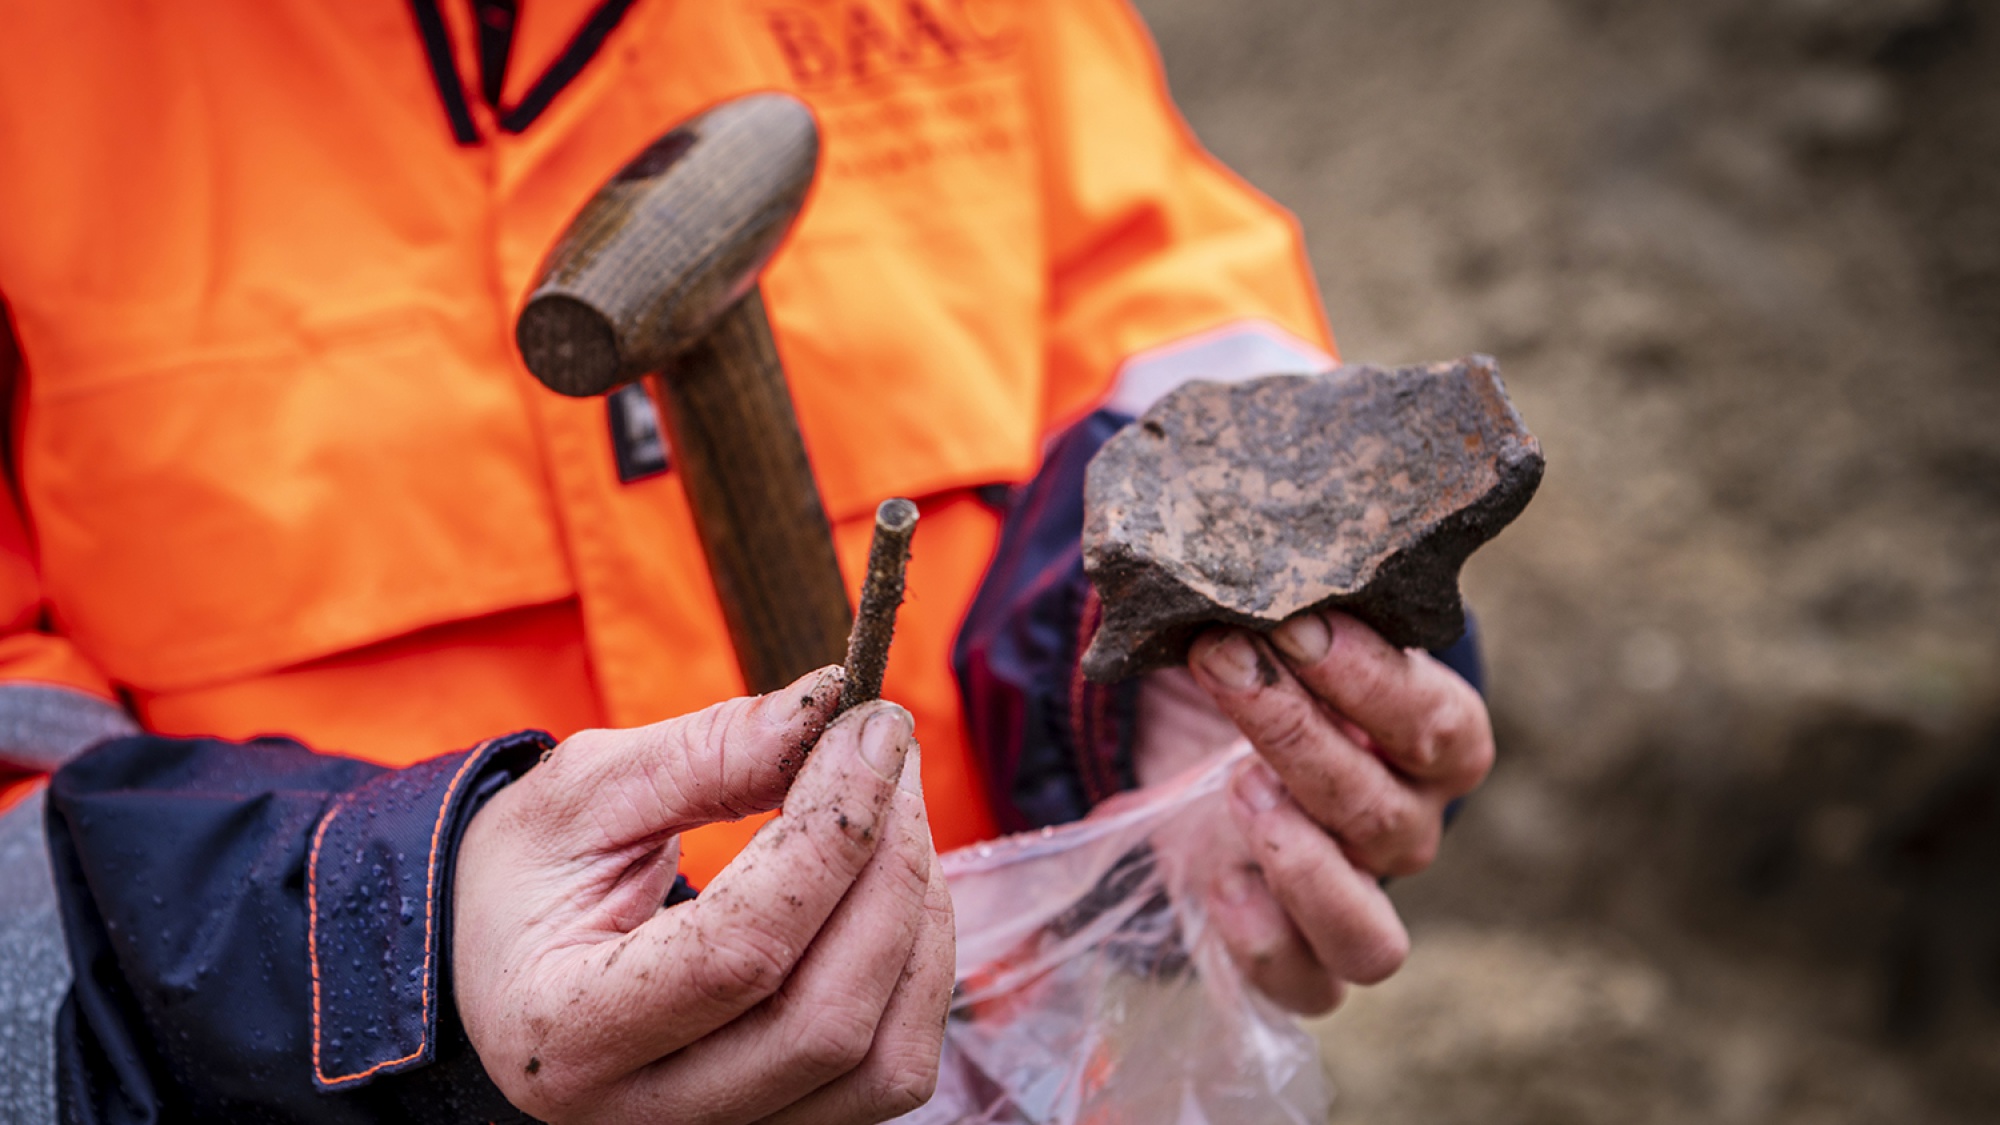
(808,983)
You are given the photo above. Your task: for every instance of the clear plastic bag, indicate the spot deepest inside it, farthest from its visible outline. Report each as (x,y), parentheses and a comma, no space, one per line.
(1091,992)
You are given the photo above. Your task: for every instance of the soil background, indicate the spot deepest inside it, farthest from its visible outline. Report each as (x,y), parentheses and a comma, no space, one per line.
(1740,861)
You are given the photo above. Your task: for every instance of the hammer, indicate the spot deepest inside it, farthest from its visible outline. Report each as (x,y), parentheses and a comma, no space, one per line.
(657,275)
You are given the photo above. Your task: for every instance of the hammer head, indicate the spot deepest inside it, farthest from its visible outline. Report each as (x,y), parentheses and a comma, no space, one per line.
(672,242)
(1363,489)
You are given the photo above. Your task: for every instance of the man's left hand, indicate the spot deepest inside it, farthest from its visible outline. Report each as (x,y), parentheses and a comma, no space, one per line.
(1360,746)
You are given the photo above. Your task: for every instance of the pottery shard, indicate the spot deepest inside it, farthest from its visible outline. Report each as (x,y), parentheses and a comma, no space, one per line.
(1363,490)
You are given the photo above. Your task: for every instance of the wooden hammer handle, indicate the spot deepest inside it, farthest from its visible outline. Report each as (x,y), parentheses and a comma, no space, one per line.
(770,549)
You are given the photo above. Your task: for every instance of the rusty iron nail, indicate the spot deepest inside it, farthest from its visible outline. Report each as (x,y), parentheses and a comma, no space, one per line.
(881,593)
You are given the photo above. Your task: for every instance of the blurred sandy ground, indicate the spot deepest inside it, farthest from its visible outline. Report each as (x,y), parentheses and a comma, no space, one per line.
(1741,266)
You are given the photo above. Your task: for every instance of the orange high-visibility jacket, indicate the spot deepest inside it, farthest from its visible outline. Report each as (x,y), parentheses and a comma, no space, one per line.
(279,468)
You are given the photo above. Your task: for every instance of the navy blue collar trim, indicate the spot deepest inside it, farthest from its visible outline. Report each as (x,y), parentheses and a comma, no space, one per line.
(581,49)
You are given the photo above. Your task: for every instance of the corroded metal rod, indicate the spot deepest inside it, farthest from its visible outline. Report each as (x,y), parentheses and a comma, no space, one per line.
(881,593)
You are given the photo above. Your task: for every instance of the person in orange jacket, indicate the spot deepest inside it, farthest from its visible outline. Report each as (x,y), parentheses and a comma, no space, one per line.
(277,468)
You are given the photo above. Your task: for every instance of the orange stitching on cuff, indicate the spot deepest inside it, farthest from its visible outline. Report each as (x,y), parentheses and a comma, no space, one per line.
(312,917)
(430,911)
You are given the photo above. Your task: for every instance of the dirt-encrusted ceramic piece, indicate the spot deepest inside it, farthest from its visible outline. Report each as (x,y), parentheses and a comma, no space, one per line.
(1363,489)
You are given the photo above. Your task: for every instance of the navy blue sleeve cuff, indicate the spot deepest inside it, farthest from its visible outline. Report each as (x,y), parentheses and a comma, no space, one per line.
(378,883)
(263,932)
(1050,743)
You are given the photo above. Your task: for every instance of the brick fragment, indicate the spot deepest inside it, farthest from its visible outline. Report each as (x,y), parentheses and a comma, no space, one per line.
(1364,489)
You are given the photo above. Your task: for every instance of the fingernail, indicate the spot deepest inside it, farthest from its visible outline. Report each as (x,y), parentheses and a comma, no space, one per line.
(913,771)
(1304,638)
(885,739)
(1257,786)
(1235,886)
(1232,661)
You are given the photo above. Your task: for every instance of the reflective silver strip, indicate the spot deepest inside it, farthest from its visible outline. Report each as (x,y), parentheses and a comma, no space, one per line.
(1242,349)
(34,968)
(42,726)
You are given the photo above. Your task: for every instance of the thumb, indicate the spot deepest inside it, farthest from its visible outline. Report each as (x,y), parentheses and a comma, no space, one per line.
(724,762)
